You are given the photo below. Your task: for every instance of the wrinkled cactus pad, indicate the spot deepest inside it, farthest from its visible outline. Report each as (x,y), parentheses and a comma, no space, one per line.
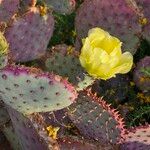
(28,90)
(29,34)
(7,9)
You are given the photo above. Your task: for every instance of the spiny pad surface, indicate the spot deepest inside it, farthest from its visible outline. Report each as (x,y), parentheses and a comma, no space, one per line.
(137,139)
(28,91)
(28,35)
(7,9)
(68,65)
(95,119)
(114,16)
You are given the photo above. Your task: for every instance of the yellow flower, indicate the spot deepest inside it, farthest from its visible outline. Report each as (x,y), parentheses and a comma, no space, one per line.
(52,131)
(3,45)
(101,55)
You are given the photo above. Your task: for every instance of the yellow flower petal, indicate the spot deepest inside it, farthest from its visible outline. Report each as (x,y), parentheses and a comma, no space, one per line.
(125,64)
(96,33)
(109,44)
(86,50)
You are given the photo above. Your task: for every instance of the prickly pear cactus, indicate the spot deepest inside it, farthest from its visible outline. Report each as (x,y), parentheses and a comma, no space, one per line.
(114,16)
(29,34)
(12,137)
(137,139)
(28,90)
(96,120)
(76,143)
(65,62)
(7,9)
(61,6)
(31,131)
(3,51)
(142,74)
(59,119)
(144,5)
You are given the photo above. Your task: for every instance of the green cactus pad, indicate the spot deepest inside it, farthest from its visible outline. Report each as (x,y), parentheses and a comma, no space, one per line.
(28,90)
(66,64)
(95,119)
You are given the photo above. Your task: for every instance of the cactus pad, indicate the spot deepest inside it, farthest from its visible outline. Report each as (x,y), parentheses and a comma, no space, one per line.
(95,119)
(77,143)
(62,6)
(144,5)
(114,90)
(68,65)
(142,74)
(28,35)
(59,119)
(29,90)
(12,137)
(114,16)
(31,131)
(7,9)
(137,139)
(4,117)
